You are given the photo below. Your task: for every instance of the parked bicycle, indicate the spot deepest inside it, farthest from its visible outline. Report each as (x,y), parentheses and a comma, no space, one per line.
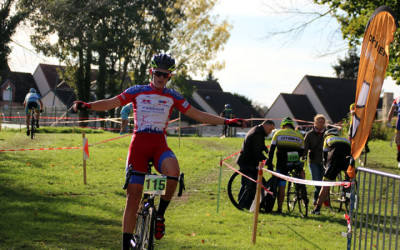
(154,185)
(234,186)
(297,193)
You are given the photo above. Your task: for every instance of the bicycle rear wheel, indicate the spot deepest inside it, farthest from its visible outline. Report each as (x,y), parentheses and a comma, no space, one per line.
(33,124)
(234,185)
(336,196)
(291,196)
(302,199)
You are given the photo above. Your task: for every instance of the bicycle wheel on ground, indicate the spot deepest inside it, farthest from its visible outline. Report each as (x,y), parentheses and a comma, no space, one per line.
(336,196)
(234,185)
(144,230)
(33,124)
(302,199)
(291,198)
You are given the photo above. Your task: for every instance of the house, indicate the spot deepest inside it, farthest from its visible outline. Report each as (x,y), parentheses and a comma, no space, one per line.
(14,87)
(323,95)
(316,95)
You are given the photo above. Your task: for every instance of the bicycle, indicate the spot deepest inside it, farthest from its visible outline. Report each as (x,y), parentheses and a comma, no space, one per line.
(32,122)
(145,224)
(234,186)
(340,195)
(297,193)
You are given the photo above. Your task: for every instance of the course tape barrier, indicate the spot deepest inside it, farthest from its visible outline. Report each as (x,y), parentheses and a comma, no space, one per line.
(289,178)
(309,182)
(237,171)
(32,149)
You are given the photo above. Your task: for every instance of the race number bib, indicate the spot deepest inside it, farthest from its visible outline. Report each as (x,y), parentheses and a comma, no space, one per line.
(293,156)
(155,184)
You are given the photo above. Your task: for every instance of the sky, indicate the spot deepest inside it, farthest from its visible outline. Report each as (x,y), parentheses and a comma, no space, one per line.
(256,66)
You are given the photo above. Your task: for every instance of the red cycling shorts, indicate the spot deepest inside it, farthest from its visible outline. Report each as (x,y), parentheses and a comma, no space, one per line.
(147,147)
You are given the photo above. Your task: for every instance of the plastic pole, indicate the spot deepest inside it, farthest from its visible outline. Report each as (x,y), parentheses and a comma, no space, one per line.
(219,183)
(84,159)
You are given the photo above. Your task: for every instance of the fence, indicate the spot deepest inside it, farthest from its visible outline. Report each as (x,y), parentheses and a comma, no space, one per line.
(376,214)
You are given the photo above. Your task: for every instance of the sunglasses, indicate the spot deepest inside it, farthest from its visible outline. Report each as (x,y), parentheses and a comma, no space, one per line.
(161,74)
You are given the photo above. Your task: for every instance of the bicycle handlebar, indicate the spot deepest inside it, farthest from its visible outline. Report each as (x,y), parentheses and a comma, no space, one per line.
(131,172)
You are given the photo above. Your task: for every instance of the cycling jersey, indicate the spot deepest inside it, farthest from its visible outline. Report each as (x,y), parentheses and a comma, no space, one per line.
(336,150)
(32,102)
(396,103)
(152,109)
(32,97)
(290,145)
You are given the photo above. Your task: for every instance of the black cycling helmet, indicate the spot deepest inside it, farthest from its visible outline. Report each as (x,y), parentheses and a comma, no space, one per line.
(163,61)
(332,131)
(287,121)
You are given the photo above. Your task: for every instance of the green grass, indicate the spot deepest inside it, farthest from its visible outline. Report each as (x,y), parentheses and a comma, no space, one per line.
(45,205)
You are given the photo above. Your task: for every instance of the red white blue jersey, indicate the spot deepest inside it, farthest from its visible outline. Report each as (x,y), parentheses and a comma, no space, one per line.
(152,108)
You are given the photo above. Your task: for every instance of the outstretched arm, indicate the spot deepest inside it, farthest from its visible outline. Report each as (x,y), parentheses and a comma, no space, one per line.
(207,118)
(101,105)
(204,117)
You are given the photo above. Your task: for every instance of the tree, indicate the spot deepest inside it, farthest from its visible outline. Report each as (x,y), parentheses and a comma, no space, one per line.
(353,17)
(243,99)
(347,68)
(8,26)
(210,77)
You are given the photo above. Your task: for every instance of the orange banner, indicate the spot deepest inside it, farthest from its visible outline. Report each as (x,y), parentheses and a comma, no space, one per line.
(374,59)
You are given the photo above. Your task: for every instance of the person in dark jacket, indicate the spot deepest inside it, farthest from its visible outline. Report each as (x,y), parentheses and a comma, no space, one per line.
(251,154)
(313,143)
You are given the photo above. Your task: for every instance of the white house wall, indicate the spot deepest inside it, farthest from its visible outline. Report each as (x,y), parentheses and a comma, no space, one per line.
(278,111)
(48,100)
(41,81)
(304,88)
(197,98)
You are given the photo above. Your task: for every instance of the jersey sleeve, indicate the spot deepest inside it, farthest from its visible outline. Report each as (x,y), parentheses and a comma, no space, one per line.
(128,95)
(180,103)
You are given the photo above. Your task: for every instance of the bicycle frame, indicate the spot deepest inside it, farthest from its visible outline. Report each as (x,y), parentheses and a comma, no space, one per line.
(145,224)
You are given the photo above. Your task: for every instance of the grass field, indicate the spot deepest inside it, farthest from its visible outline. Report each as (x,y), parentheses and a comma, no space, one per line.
(45,205)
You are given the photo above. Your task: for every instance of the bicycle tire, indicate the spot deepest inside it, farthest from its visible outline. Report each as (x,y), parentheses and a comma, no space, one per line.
(33,128)
(335,196)
(291,196)
(234,185)
(149,238)
(142,229)
(302,199)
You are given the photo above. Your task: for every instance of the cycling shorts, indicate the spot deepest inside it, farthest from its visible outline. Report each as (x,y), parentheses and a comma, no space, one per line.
(286,167)
(398,122)
(335,164)
(31,105)
(146,147)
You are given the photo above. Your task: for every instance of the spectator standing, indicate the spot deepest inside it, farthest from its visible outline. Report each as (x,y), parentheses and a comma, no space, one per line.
(126,111)
(251,153)
(227,113)
(313,143)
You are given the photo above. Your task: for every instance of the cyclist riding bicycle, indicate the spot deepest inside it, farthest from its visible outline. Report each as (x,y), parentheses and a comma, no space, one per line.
(337,150)
(32,101)
(290,145)
(153,105)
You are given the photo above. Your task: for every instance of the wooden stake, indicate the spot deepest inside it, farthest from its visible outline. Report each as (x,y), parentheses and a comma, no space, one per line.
(257,207)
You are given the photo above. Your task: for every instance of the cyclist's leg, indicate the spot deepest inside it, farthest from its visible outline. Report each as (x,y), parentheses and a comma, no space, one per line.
(28,116)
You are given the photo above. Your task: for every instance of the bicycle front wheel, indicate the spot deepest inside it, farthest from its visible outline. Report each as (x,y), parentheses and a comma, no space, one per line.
(144,229)
(303,200)
(291,198)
